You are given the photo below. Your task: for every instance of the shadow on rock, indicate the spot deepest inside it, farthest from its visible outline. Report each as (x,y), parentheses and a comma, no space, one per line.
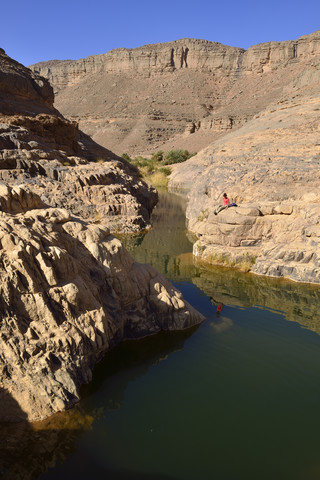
(29,451)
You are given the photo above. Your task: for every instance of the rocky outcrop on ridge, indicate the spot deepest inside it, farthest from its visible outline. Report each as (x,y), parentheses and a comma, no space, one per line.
(270,168)
(47,153)
(181,94)
(69,291)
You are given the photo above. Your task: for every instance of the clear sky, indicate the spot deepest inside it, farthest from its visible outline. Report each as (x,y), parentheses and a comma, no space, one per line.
(35,30)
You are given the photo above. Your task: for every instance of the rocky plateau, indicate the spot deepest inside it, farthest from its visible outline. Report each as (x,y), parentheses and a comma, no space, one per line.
(182,94)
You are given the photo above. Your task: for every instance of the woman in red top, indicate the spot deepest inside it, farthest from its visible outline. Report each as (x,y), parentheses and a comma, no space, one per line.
(226,202)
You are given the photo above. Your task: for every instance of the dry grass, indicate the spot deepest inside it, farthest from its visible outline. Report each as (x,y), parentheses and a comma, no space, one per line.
(157,179)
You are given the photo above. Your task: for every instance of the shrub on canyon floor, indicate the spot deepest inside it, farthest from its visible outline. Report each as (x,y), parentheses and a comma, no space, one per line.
(176,156)
(159,158)
(153,170)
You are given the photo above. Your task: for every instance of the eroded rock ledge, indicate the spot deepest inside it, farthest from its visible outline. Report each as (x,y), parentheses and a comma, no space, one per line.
(69,291)
(41,149)
(270,168)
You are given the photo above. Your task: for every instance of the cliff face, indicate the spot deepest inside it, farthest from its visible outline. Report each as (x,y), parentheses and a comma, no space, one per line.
(199,55)
(69,291)
(145,61)
(181,94)
(39,147)
(270,168)
(21,89)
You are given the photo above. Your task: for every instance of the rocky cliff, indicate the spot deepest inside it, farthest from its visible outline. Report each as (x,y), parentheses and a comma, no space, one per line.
(181,94)
(69,291)
(39,147)
(270,168)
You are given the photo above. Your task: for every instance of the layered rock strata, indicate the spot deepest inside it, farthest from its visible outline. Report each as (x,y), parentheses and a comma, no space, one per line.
(270,168)
(181,94)
(46,152)
(69,291)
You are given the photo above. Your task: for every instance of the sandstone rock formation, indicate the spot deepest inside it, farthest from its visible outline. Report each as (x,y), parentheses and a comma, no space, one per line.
(40,148)
(270,167)
(69,291)
(182,94)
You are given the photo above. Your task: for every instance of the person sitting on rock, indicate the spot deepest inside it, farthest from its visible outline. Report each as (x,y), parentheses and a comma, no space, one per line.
(225,204)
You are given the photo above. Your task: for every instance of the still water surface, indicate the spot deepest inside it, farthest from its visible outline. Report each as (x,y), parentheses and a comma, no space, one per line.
(236,398)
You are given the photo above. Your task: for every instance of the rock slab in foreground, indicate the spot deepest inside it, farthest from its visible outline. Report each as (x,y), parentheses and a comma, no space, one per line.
(69,291)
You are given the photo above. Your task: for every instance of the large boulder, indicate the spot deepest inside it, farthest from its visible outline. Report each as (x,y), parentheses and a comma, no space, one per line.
(69,291)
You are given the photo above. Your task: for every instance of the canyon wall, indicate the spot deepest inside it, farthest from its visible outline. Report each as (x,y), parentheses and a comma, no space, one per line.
(69,290)
(192,54)
(270,168)
(41,148)
(181,94)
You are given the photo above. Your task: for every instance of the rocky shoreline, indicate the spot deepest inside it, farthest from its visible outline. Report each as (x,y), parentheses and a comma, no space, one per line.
(270,167)
(275,228)
(49,155)
(69,292)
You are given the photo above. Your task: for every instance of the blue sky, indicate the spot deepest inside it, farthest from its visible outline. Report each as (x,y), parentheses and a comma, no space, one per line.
(34,30)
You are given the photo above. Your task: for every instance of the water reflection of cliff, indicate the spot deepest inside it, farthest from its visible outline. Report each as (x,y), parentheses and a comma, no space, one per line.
(27,450)
(126,362)
(299,302)
(167,243)
(167,247)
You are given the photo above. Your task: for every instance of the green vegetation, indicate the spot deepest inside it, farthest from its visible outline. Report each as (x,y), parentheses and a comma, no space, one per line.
(242,262)
(203,215)
(176,156)
(154,170)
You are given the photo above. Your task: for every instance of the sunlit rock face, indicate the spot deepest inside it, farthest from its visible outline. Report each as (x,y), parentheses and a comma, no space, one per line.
(69,292)
(270,168)
(40,148)
(181,94)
